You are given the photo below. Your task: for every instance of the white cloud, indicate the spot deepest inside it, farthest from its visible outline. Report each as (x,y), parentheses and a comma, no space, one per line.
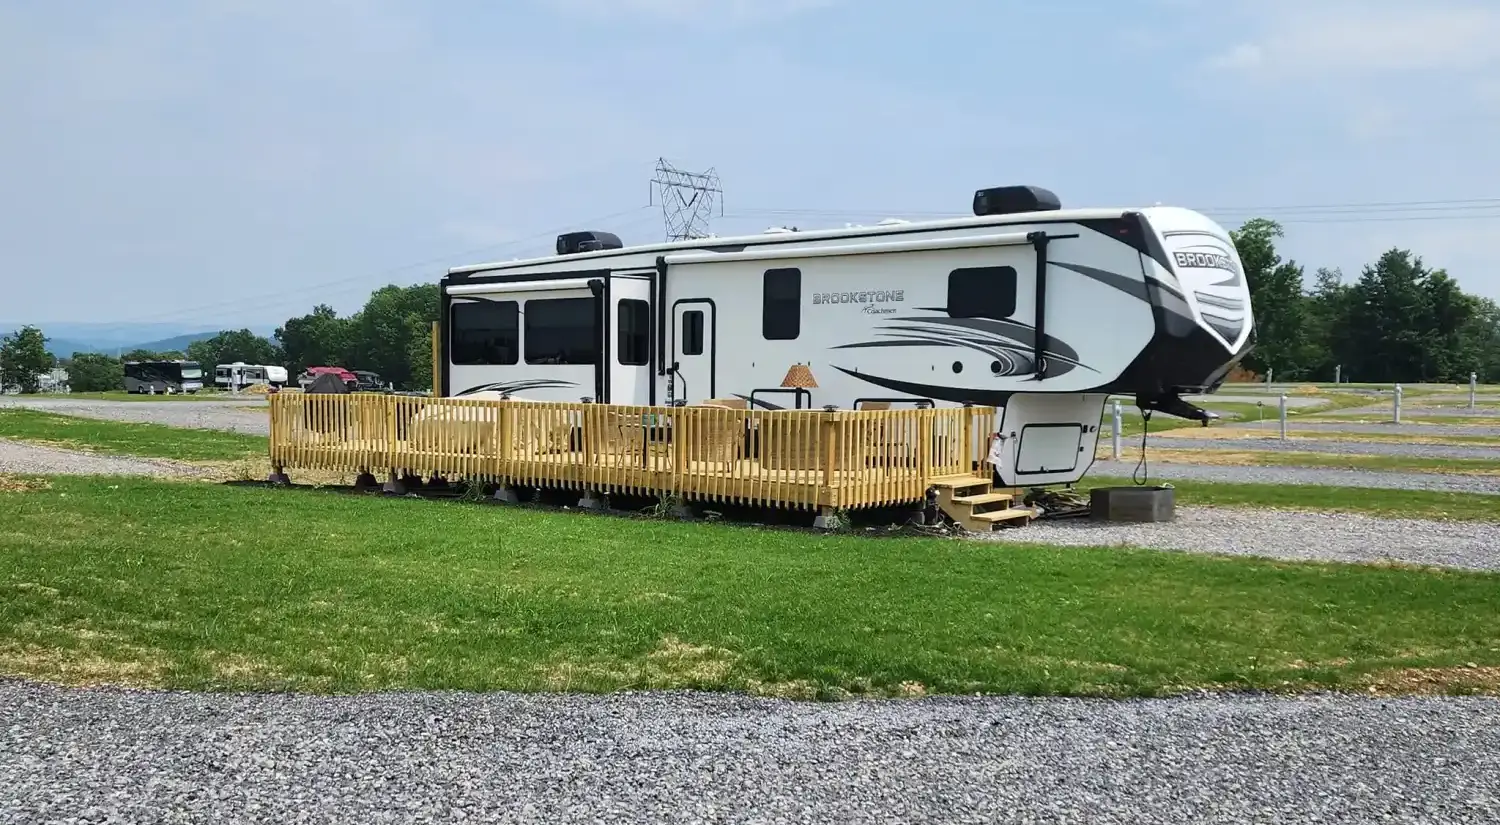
(1303,39)
(690,11)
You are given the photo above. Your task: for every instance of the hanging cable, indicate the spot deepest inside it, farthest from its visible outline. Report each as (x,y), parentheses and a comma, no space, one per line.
(1142,472)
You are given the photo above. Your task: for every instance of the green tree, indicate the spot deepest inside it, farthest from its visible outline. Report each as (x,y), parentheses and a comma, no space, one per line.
(1450,349)
(320,338)
(24,358)
(1276,298)
(1326,309)
(94,372)
(1389,319)
(231,346)
(396,323)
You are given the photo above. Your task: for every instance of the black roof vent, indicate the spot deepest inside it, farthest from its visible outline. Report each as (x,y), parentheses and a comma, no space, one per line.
(1008,200)
(571,243)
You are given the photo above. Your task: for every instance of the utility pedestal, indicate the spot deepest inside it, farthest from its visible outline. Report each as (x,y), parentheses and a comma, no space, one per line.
(1135,504)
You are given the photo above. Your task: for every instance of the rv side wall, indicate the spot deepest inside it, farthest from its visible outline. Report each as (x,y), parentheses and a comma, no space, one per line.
(949,325)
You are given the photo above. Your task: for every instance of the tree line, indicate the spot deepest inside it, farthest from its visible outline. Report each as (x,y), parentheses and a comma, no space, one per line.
(1398,321)
(391,335)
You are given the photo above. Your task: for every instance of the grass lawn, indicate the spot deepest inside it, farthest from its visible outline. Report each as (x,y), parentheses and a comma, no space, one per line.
(1408,418)
(1417,504)
(1234,413)
(127,438)
(139,582)
(1276,458)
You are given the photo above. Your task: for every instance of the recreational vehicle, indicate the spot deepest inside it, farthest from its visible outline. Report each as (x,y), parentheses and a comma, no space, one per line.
(163,376)
(239,375)
(1026,306)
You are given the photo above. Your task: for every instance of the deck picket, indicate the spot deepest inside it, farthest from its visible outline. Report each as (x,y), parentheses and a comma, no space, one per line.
(800,459)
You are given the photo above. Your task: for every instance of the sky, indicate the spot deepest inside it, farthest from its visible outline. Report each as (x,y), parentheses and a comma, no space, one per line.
(234,162)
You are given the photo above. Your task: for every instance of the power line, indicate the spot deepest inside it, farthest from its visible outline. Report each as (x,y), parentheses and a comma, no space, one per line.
(1375,211)
(261,300)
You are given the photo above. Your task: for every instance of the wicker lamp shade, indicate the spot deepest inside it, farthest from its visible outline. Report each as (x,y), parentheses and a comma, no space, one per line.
(800,377)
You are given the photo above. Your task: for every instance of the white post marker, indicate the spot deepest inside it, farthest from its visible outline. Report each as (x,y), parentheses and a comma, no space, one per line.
(1114,435)
(1283,416)
(1338,372)
(1473,388)
(1396,405)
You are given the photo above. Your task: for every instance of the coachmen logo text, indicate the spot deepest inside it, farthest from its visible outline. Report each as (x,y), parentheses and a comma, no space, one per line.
(1205,260)
(878,296)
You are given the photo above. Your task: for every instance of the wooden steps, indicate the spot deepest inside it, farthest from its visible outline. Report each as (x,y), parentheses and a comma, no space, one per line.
(973,503)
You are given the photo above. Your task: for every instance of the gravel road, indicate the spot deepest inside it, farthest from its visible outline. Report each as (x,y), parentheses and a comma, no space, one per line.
(27,459)
(1317,476)
(239,415)
(114,756)
(1284,534)
(1310,445)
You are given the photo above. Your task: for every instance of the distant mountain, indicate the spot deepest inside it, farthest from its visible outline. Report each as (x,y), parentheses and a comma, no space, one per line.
(68,338)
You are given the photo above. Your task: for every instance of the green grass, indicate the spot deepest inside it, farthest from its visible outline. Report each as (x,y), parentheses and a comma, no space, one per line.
(1419,504)
(139,582)
(1277,458)
(1407,418)
(127,438)
(1234,413)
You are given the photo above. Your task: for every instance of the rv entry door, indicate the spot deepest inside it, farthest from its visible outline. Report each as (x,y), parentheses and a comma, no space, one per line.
(693,338)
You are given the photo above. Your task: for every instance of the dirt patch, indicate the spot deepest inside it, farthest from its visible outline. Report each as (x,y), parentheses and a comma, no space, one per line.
(1435,681)
(17,484)
(123,667)
(673,664)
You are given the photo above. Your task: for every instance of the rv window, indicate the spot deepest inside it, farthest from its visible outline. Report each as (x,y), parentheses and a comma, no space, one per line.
(485,333)
(982,292)
(634,320)
(692,332)
(561,331)
(781,308)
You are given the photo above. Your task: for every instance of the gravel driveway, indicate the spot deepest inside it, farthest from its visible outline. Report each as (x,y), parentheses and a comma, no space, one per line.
(27,459)
(114,756)
(238,415)
(1315,476)
(1284,534)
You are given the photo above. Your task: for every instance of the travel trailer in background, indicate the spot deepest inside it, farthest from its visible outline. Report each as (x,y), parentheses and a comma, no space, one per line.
(239,375)
(1026,306)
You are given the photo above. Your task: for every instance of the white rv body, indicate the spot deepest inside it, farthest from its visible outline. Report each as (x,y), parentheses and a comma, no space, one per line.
(239,374)
(1149,302)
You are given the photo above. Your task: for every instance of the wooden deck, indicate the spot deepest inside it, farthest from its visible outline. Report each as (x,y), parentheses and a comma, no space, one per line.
(792,459)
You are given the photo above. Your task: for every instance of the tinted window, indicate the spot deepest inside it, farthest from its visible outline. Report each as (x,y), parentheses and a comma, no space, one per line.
(982,292)
(692,332)
(634,322)
(561,331)
(484,332)
(781,308)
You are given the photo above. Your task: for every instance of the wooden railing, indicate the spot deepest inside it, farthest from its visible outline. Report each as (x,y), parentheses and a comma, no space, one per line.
(803,459)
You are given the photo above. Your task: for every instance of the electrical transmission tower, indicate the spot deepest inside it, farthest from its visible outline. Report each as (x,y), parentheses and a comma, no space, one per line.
(687,200)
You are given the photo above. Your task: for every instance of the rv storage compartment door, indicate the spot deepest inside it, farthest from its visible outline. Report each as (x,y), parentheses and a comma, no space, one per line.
(1049,438)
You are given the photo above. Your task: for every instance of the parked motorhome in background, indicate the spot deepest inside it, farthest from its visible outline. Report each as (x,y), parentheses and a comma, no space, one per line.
(163,376)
